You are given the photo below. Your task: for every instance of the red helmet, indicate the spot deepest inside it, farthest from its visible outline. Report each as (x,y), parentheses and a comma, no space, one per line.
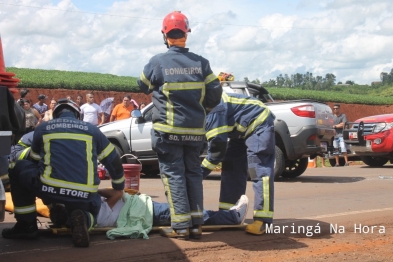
(175,20)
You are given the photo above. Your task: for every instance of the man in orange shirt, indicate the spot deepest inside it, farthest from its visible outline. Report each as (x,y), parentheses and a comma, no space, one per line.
(123,110)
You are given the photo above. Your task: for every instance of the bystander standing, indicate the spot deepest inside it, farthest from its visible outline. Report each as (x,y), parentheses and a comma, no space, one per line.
(40,106)
(79,100)
(122,110)
(91,112)
(49,113)
(33,118)
(338,142)
(24,95)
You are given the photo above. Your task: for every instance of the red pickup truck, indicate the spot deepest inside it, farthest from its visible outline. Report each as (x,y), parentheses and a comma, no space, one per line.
(371,138)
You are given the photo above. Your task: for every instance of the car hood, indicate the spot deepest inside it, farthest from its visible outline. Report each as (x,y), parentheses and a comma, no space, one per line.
(115,125)
(376,118)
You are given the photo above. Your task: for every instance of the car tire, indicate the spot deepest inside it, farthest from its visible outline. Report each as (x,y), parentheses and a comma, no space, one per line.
(374,161)
(120,153)
(295,168)
(279,163)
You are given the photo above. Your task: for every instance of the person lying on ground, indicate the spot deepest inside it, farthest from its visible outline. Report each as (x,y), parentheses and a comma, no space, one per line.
(116,203)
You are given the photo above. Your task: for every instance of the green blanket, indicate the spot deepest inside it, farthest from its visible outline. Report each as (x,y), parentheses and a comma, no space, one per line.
(135,219)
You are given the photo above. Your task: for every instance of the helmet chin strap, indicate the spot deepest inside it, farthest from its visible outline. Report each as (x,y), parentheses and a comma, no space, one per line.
(165,40)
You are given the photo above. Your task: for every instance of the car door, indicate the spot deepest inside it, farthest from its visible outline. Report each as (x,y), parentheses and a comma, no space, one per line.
(140,134)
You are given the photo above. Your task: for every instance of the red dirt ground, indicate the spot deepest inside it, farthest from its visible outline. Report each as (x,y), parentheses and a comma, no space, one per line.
(353,111)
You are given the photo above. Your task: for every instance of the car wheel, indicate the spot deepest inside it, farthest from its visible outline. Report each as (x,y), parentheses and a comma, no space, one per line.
(341,161)
(279,163)
(374,161)
(295,168)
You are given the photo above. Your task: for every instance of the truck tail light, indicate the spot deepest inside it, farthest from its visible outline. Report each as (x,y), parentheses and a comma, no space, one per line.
(304,111)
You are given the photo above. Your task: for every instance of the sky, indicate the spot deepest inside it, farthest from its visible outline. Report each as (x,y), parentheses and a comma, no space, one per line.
(258,39)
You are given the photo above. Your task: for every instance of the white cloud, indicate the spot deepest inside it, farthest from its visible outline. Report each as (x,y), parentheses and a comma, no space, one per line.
(257,39)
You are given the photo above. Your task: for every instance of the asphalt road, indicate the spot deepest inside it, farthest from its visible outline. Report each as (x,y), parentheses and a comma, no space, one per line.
(343,199)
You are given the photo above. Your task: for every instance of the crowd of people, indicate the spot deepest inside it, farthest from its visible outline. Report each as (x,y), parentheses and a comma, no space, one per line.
(91,112)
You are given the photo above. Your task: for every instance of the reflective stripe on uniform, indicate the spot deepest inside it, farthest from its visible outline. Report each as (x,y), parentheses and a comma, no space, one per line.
(226,206)
(106,152)
(196,214)
(25,209)
(265,213)
(210,78)
(251,127)
(118,181)
(167,87)
(206,163)
(46,176)
(260,119)
(146,81)
(178,130)
(34,155)
(241,101)
(174,217)
(22,144)
(219,130)
(23,154)
(91,222)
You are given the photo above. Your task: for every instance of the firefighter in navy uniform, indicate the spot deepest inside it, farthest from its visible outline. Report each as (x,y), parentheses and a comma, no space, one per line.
(18,152)
(183,86)
(22,149)
(249,126)
(67,150)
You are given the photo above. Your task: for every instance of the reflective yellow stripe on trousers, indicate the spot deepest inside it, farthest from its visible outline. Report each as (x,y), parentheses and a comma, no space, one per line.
(265,213)
(177,218)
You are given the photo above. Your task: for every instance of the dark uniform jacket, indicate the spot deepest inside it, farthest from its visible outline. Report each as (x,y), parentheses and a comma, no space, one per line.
(21,149)
(236,117)
(183,86)
(68,149)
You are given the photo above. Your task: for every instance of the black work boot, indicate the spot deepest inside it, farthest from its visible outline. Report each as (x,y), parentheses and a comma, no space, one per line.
(22,230)
(79,228)
(58,215)
(196,232)
(183,234)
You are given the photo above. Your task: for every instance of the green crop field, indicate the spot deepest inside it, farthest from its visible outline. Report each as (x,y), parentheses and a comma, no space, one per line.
(326,96)
(38,78)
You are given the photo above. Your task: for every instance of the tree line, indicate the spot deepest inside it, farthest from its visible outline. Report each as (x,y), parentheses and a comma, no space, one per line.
(308,81)
(387,78)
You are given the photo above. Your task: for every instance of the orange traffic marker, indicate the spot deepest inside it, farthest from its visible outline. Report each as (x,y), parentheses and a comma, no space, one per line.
(6,79)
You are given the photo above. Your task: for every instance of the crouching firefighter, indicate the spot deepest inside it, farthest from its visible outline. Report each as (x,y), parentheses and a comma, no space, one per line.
(240,132)
(63,170)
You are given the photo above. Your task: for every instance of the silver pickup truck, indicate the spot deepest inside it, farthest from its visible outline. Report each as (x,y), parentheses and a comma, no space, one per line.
(303,128)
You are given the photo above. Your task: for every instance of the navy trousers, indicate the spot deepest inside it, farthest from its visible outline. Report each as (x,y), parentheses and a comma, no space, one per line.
(254,157)
(26,186)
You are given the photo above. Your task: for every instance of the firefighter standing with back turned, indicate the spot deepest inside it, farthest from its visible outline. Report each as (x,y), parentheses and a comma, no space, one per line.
(67,150)
(183,86)
(249,126)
